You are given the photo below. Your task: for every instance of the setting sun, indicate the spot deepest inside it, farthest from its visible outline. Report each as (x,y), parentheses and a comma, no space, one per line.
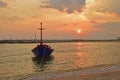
(78,30)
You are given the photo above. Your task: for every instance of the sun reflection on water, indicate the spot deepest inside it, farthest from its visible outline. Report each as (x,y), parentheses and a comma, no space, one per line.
(80,60)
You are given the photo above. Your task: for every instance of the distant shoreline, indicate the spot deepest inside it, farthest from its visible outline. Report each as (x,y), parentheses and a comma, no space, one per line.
(56,41)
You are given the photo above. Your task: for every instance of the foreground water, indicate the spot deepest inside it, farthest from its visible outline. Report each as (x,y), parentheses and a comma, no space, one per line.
(17,60)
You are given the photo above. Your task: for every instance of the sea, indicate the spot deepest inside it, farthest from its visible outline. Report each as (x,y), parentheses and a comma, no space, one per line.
(17,62)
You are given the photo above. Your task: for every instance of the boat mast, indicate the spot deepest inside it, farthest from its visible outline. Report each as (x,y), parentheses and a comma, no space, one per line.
(41,34)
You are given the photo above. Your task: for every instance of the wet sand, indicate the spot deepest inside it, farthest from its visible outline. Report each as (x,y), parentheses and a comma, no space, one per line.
(115,75)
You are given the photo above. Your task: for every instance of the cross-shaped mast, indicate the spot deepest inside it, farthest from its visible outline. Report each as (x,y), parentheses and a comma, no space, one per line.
(41,34)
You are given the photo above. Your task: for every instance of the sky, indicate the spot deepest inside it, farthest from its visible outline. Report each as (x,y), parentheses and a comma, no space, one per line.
(62,19)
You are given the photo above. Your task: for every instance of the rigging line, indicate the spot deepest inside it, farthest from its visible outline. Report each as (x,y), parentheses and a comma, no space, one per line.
(36,40)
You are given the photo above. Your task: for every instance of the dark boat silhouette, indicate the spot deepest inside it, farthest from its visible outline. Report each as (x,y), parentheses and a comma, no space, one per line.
(42,50)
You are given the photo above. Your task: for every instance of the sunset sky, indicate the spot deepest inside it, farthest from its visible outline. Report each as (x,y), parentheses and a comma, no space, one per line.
(62,19)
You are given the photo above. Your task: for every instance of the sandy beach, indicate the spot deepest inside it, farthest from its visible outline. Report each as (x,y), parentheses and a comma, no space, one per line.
(115,75)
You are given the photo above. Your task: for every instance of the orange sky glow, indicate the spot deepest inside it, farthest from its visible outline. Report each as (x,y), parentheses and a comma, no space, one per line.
(62,19)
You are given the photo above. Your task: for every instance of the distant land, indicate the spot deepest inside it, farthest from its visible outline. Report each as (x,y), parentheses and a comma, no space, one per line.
(56,41)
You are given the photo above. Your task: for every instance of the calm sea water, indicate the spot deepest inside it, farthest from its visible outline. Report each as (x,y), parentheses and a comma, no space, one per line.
(17,60)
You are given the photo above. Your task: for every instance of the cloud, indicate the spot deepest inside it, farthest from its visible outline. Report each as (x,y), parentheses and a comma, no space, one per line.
(3,4)
(101,11)
(110,26)
(108,30)
(68,6)
(109,6)
(10,18)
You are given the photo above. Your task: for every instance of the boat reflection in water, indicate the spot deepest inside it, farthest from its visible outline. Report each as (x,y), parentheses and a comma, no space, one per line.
(42,63)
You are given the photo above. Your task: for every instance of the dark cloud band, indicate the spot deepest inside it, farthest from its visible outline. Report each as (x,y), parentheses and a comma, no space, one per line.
(3,4)
(68,6)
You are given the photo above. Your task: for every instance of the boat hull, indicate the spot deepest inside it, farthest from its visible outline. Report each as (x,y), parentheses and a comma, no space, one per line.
(42,51)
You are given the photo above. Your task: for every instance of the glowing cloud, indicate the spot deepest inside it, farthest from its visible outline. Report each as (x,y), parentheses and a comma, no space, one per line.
(107,6)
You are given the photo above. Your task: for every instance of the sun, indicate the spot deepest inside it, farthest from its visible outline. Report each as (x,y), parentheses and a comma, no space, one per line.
(79,30)
(90,1)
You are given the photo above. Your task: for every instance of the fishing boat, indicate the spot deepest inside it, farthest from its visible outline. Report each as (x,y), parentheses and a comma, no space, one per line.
(42,50)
